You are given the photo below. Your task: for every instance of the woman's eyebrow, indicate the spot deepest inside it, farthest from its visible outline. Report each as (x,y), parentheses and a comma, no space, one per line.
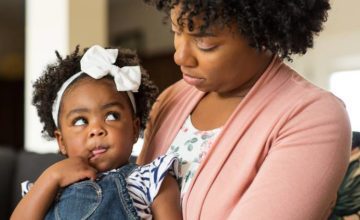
(198,34)
(202,34)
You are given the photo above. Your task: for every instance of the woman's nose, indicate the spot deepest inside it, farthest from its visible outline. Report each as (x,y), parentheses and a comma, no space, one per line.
(183,55)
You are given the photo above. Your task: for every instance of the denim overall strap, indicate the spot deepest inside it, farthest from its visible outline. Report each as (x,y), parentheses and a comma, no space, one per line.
(126,200)
(105,198)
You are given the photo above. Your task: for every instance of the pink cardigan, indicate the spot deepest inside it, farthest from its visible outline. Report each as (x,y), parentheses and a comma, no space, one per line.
(281,155)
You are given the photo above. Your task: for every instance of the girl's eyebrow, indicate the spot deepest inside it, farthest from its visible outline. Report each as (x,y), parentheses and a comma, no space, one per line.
(112,104)
(85,110)
(76,111)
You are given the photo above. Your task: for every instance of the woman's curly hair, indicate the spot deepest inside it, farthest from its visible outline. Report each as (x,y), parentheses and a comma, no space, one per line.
(47,86)
(284,27)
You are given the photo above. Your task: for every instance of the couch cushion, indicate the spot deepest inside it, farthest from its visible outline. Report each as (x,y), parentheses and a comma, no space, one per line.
(29,167)
(7,168)
(348,198)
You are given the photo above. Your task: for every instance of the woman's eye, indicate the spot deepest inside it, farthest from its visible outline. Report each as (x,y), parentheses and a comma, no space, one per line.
(79,121)
(205,46)
(112,116)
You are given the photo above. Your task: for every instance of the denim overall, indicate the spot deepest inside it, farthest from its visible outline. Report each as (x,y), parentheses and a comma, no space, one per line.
(107,198)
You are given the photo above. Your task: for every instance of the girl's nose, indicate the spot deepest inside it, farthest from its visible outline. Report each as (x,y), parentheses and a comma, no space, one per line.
(184,55)
(97,130)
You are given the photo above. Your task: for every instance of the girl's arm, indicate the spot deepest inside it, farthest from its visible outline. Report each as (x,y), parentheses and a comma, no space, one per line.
(37,201)
(166,205)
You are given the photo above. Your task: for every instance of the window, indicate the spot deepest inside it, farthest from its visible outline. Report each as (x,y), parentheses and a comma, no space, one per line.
(345,85)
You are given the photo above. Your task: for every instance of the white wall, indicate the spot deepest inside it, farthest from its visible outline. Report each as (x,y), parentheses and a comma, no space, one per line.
(42,38)
(88,23)
(336,48)
(56,25)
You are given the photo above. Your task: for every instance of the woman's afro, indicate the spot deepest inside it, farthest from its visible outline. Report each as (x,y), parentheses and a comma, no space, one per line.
(284,27)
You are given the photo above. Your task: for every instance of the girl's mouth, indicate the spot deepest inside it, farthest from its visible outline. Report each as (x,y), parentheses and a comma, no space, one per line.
(97,152)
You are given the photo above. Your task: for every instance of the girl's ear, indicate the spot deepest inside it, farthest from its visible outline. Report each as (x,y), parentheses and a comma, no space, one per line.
(136,128)
(60,142)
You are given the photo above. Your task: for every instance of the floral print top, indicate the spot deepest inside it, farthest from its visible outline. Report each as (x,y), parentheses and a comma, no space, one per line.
(191,146)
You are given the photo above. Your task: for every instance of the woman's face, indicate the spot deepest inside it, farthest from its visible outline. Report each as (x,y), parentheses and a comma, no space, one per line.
(217,60)
(97,124)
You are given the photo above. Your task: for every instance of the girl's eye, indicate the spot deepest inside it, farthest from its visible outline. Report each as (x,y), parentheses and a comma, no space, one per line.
(79,121)
(112,116)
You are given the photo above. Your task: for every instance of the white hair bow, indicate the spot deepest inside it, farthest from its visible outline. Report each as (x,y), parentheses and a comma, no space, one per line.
(98,62)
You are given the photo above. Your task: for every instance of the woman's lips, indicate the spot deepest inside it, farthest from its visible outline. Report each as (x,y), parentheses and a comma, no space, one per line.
(192,80)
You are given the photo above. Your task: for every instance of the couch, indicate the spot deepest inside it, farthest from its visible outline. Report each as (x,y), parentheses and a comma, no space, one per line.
(348,197)
(15,167)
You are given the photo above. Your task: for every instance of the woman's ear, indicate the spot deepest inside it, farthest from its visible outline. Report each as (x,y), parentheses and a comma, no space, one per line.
(60,142)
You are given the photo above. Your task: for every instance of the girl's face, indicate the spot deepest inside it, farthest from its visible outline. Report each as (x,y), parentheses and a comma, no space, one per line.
(97,123)
(219,60)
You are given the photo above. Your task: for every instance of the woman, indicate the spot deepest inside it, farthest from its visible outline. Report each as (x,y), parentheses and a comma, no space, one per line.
(256,140)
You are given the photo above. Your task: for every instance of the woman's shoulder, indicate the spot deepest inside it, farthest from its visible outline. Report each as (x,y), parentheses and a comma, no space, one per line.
(304,91)
(313,92)
(286,95)
(301,100)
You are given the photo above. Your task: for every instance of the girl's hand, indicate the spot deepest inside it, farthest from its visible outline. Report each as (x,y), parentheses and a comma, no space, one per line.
(37,201)
(70,170)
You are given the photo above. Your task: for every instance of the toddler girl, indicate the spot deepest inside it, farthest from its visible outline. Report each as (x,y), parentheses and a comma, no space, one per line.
(95,106)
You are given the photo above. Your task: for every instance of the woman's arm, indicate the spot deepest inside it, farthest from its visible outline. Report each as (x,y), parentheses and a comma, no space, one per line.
(167,203)
(303,170)
(37,201)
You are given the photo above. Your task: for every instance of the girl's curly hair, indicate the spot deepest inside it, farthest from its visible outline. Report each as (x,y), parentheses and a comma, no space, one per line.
(284,27)
(47,86)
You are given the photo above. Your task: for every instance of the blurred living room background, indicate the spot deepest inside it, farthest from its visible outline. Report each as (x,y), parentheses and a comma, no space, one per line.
(31,30)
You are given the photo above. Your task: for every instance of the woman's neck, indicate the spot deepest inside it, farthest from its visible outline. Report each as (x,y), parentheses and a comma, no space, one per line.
(260,66)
